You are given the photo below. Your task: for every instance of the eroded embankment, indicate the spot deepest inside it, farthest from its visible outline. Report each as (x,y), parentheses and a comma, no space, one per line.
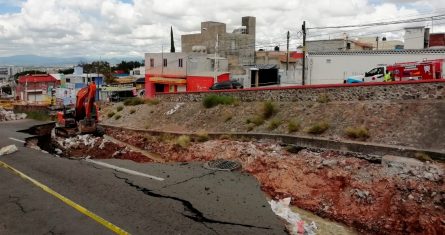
(398,196)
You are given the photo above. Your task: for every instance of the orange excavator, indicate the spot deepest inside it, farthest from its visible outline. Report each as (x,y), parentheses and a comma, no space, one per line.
(83,118)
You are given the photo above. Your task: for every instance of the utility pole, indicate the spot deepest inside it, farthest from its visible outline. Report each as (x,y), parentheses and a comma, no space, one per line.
(287,53)
(303,27)
(377,41)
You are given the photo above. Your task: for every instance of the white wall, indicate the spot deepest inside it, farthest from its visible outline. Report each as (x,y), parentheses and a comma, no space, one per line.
(334,67)
(414,38)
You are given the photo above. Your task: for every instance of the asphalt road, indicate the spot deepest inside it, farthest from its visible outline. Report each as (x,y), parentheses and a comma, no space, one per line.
(190,199)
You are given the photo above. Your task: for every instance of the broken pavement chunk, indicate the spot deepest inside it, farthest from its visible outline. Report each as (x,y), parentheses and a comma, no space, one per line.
(8,149)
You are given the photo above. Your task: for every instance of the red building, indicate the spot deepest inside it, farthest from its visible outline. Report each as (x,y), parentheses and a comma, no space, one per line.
(176,72)
(36,88)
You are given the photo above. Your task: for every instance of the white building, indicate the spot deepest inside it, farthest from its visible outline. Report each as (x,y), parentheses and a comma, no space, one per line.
(416,37)
(334,67)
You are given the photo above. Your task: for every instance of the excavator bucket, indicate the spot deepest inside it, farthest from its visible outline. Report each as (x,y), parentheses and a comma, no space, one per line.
(87,126)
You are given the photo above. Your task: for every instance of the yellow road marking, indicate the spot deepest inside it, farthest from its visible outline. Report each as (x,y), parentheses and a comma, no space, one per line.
(67,201)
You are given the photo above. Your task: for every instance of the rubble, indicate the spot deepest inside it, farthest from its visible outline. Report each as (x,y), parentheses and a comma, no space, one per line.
(6,115)
(389,198)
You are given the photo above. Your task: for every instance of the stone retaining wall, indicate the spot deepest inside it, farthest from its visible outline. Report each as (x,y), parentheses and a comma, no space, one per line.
(409,90)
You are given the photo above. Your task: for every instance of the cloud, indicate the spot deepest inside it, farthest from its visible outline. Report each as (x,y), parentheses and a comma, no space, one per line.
(113,27)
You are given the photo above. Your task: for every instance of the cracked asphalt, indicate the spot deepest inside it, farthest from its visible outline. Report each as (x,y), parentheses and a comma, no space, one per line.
(191,199)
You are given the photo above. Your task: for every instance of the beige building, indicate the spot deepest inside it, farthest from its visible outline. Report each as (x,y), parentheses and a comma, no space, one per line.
(337,45)
(382,43)
(238,47)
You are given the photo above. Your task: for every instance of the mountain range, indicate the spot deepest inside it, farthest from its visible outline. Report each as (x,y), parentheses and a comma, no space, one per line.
(35,60)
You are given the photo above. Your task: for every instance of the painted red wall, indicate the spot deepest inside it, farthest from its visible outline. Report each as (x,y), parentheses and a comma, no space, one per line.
(224,77)
(149,87)
(197,83)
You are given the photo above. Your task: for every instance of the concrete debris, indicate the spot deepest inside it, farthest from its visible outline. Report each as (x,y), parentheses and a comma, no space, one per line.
(10,115)
(405,167)
(8,149)
(295,224)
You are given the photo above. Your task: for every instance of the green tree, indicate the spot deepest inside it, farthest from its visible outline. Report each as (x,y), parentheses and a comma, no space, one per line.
(66,71)
(102,67)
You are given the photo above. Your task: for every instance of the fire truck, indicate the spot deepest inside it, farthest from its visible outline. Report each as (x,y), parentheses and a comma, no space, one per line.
(424,70)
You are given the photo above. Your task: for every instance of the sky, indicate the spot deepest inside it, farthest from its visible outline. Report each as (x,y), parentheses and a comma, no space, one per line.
(112,28)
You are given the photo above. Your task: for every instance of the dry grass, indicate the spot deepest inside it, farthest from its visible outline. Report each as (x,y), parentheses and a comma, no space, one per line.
(202,136)
(293,126)
(117,117)
(268,110)
(132,111)
(323,98)
(183,141)
(110,114)
(119,108)
(274,124)
(318,128)
(357,132)
(256,121)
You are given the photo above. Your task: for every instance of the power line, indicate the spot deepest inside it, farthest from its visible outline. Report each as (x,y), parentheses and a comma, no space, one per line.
(415,20)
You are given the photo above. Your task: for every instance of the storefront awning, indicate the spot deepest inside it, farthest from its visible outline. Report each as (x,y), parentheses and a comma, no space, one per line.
(162,80)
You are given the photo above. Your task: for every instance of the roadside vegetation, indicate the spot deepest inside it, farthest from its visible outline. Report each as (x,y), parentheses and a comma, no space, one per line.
(134,101)
(110,114)
(293,126)
(132,111)
(117,117)
(183,141)
(361,132)
(202,136)
(268,110)
(215,100)
(323,98)
(119,108)
(274,124)
(318,128)
(39,116)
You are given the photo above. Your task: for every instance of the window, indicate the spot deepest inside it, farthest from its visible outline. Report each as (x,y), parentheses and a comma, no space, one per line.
(180,63)
(152,62)
(68,80)
(165,62)
(348,46)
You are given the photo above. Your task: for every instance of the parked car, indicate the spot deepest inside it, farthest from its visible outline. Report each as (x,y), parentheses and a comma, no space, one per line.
(118,96)
(226,85)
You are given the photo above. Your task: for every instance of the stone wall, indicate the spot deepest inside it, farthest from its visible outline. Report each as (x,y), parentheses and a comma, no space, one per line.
(410,90)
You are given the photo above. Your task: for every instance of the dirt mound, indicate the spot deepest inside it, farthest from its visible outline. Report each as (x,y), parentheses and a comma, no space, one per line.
(374,198)
(97,148)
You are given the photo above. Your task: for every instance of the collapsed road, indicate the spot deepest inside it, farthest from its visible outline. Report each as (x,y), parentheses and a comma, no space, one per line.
(182,198)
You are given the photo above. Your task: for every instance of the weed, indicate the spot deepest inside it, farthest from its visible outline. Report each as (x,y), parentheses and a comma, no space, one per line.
(293,126)
(251,126)
(110,114)
(214,100)
(421,156)
(227,116)
(274,124)
(357,132)
(152,101)
(323,98)
(37,116)
(202,136)
(318,128)
(183,141)
(117,117)
(225,137)
(147,126)
(269,109)
(132,111)
(134,101)
(119,108)
(256,120)
(166,138)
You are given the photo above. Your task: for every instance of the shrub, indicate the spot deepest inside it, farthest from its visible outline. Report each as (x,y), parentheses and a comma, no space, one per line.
(214,100)
(183,141)
(256,120)
(132,111)
(274,124)
(293,126)
(318,128)
(152,101)
(268,109)
(323,98)
(119,108)
(134,101)
(117,117)
(421,156)
(251,126)
(357,132)
(202,136)
(110,114)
